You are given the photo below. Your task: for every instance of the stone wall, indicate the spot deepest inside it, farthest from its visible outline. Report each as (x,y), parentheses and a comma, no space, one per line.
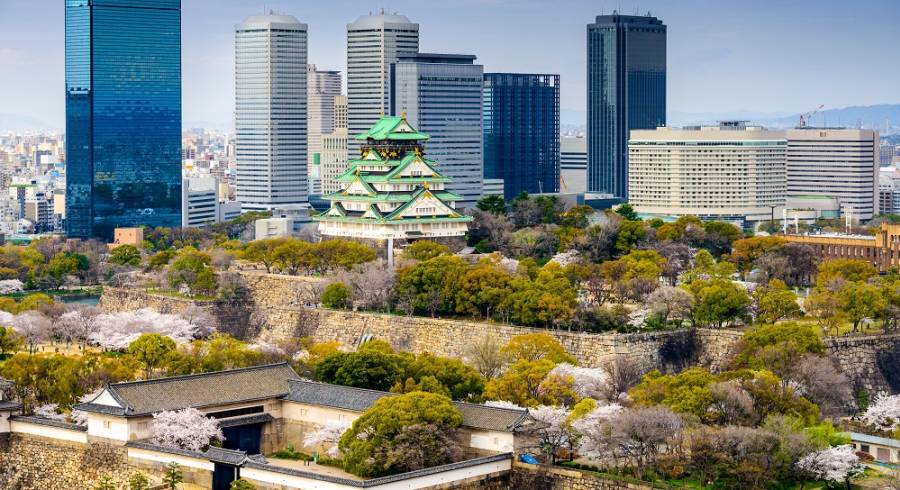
(857,357)
(32,462)
(555,478)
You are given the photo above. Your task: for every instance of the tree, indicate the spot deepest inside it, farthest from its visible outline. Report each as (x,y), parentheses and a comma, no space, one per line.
(337,296)
(484,355)
(399,433)
(241,484)
(820,382)
(717,302)
(719,236)
(125,255)
(793,263)
(10,341)
(262,251)
(586,382)
(552,430)
(462,382)
(138,481)
(670,304)
(328,435)
(190,270)
(492,204)
(824,306)
(482,289)
(775,302)
(364,369)
(185,429)
(835,464)
(627,211)
(431,284)
(746,251)
(117,330)
(151,349)
(292,255)
(521,383)
(859,300)
(536,346)
(841,270)
(425,249)
(33,327)
(105,483)
(883,413)
(172,476)
(778,347)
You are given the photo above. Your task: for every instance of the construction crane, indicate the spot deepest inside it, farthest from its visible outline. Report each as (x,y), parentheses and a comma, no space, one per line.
(804,118)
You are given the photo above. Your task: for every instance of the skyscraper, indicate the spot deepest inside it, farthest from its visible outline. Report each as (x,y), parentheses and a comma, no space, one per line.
(521,132)
(270,112)
(123,115)
(626,90)
(374,41)
(441,95)
(322,87)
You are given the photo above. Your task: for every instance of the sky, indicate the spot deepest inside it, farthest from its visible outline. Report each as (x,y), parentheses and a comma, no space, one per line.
(767,56)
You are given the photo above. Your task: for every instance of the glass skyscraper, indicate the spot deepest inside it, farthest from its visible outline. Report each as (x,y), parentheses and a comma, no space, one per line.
(441,97)
(626,89)
(123,115)
(521,132)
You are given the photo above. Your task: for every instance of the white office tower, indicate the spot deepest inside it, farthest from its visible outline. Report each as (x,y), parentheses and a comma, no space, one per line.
(838,163)
(199,201)
(374,42)
(270,112)
(730,172)
(322,87)
(441,96)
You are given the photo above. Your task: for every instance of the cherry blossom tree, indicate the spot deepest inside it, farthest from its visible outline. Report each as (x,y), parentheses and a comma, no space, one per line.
(835,464)
(551,430)
(49,411)
(76,325)
(503,404)
(587,382)
(593,430)
(327,435)
(8,286)
(883,413)
(80,417)
(185,429)
(117,330)
(34,327)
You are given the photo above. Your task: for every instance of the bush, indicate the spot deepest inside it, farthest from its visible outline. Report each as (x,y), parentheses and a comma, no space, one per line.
(336,295)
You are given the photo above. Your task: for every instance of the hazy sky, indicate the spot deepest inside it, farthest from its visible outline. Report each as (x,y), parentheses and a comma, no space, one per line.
(723,55)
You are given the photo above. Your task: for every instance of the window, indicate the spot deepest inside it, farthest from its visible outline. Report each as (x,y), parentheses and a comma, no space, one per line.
(107,424)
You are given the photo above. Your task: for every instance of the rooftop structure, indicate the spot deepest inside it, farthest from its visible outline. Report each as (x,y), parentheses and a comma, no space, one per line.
(392,191)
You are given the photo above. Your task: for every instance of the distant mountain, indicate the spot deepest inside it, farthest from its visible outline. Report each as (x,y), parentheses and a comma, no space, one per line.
(22,123)
(884,117)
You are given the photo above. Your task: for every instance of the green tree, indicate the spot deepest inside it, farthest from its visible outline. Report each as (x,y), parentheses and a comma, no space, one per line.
(336,254)
(138,481)
(191,268)
(262,251)
(859,300)
(687,392)
(481,290)
(65,263)
(10,341)
(431,285)
(125,255)
(217,353)
(172,476)
(461,381)
(627,211)
(241,484)
(746,251)
(337,295)
(717,302)
(160,259)
(151,350)
(492,204)
(778,347)
(536,346)
(292,255)
(364,369)
(34,301)
(630,233)
(521,383)
(105,483)
(775,302)
(841,270)
(425,249)
(384,422)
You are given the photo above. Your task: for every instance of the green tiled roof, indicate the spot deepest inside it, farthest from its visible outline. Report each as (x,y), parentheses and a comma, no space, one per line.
(353,219)
(389,196)
(392,128)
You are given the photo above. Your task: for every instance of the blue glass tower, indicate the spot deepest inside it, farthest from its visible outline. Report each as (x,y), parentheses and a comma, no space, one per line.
(626,89)
(123,115)
(521,132)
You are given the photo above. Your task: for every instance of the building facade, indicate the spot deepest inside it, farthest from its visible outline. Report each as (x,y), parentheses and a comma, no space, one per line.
(321,89)
(626,90)
(729,172)
(521,132)
(889,190)
(123,115)
(271,112)
(881,250)
(835,162)
(573,165)
(441,96)
(374,42)
(199,201)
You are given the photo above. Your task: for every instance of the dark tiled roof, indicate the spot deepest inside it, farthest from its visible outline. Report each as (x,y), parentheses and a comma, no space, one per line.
(7,405)
(227,456)
(5,383)
(256,418)
(336,396)
(48,422)
(492,418)
(200,390)
(359,399)
(97,408)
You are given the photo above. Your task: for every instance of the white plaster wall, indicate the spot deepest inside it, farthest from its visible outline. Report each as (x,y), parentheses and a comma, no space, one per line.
(502,442)
(166,458)
(59,433)
(117,429)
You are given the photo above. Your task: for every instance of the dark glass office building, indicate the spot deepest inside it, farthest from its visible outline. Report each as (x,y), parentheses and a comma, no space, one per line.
(123,115)
(626,89)
(521,132)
